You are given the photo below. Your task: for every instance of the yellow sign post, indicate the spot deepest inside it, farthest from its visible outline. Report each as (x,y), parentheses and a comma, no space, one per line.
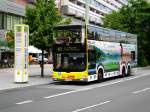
(21,53)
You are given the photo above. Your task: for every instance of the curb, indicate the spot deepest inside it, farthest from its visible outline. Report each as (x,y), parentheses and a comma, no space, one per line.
(21,87)
(140,68)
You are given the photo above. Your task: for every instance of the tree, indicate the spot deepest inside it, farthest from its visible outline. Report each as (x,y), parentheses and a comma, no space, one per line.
(10,39)
(42,18)
(2,42)
(134,18)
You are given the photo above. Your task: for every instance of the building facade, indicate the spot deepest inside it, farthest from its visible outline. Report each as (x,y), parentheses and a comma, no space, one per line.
(98,8)
(11,12)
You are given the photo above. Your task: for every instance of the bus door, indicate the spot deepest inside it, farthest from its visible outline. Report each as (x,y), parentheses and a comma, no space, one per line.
(91,61)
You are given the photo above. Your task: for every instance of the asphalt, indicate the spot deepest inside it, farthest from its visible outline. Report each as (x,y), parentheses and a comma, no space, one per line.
(129,94)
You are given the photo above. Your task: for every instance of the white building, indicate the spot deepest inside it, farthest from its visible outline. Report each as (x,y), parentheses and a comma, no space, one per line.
(98,8)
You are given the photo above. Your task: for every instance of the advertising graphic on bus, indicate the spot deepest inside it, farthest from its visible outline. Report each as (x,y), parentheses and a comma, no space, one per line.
(99,54)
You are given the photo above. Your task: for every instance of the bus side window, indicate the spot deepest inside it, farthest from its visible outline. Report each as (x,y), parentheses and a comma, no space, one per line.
(91,58)
(98,55)
(91,33)
(132,55)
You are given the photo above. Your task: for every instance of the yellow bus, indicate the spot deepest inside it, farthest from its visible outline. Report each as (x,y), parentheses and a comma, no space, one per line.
(103,54)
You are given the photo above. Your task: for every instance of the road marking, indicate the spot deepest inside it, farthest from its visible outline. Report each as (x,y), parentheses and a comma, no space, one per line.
(97,86)
(85,108)
(24,102)
(135,92)
(47,97)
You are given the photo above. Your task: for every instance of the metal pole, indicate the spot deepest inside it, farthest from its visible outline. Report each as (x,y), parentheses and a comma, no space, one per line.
(87,12)
(86,29)
(86,19)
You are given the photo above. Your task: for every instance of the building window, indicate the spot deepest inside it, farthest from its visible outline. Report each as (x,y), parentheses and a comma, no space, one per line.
(8,22)
(1,20)
(5,21)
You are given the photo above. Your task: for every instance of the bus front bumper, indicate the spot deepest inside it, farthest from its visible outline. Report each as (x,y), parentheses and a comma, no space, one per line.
(67,80)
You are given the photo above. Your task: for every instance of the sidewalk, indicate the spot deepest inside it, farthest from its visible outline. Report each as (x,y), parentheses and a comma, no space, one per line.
(140,68)
(7,77)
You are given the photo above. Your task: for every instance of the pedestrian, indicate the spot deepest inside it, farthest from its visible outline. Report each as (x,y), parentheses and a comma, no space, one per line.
(30,59)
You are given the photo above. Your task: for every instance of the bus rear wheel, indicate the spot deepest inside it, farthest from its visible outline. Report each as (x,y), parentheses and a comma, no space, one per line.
(129,71)
(123,72)
(100,76)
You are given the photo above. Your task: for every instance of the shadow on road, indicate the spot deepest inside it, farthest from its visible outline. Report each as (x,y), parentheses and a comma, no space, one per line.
(77,83)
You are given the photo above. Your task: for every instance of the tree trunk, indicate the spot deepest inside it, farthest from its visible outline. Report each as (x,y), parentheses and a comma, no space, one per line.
(42,64)
(49,54)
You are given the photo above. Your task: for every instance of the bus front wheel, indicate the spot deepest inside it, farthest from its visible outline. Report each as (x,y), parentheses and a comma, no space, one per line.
(100,75)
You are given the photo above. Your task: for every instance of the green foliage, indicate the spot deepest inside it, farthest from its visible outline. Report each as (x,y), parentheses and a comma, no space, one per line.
(113,21)
(65,21)
(10,39)
(10,34)
(42,18)
(2,42)
(134,18)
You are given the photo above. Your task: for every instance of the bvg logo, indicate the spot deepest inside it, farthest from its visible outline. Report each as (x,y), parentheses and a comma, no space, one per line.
(71,77)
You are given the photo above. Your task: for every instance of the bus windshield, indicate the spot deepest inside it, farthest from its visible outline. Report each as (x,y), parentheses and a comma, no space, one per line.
(69,58)
(68,34)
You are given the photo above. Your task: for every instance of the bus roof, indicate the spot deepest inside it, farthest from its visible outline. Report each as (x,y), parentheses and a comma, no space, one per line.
(60,27)
(117,36)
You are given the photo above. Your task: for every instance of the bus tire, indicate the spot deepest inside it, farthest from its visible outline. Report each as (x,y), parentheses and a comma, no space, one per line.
(100,75)
(123,72)
(129,71)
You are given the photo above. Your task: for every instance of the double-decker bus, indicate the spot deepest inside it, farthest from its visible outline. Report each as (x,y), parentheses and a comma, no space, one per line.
(92,53)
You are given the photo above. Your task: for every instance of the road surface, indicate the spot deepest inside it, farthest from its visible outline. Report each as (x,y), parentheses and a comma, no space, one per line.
(129,94)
